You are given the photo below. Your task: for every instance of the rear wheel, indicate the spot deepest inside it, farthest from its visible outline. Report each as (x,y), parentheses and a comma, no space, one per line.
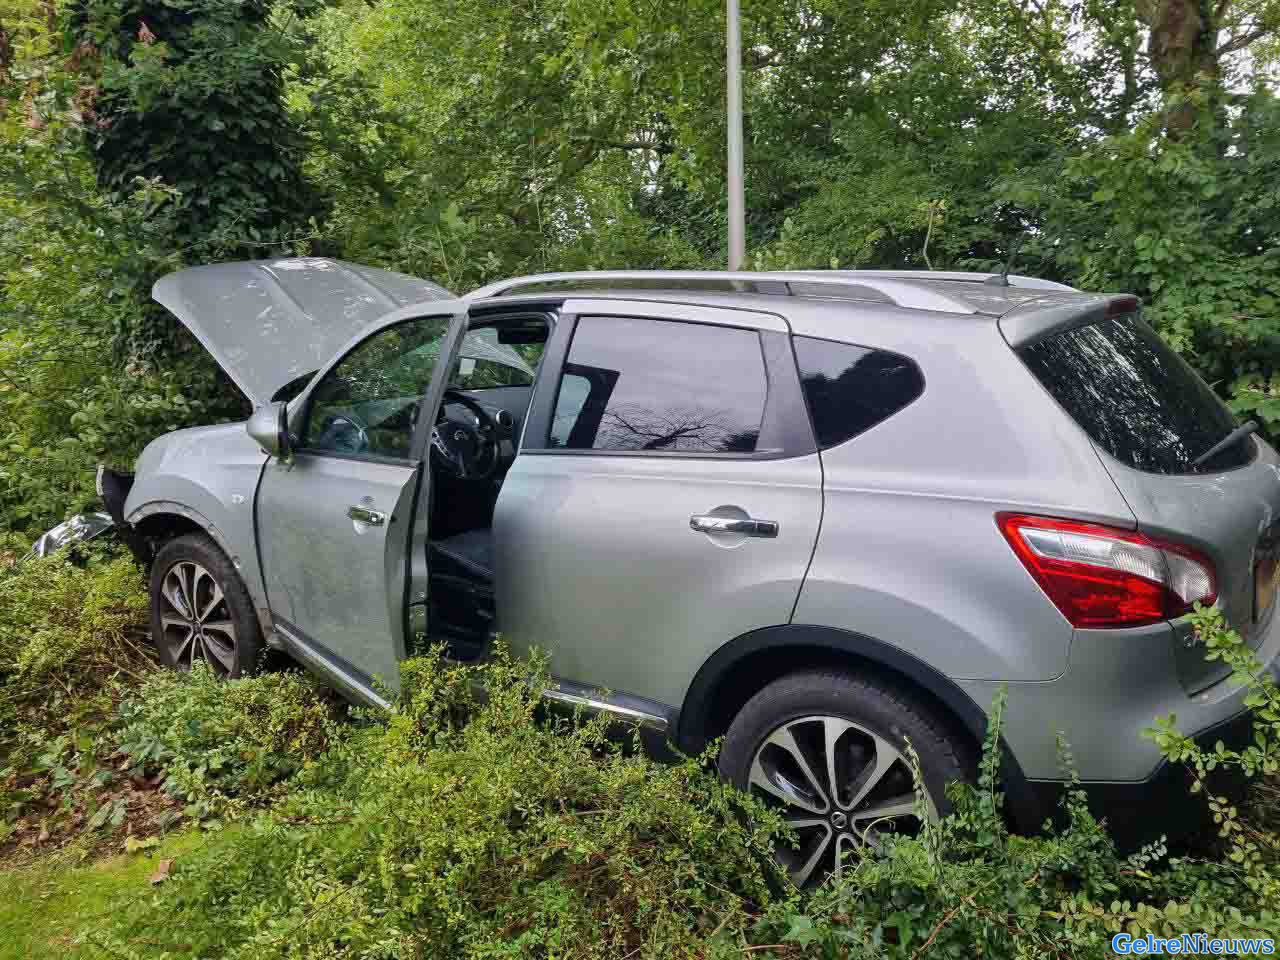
(201,610)
(828,751)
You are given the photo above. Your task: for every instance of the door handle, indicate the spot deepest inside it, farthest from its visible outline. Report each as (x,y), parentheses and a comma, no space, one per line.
(747,527)
(374,518)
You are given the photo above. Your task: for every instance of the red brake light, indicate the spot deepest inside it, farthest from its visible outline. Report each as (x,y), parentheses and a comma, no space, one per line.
(1102,576)
(1117,306)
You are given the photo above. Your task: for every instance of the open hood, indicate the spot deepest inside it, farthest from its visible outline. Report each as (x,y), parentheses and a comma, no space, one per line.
(268,322)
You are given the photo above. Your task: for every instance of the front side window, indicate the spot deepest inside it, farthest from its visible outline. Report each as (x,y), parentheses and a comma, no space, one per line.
(369,402)
(850,389)
(484,361)
(660,385)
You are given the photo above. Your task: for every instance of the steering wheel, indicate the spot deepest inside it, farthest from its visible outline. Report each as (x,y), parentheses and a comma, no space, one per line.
(344,433)
(468,451)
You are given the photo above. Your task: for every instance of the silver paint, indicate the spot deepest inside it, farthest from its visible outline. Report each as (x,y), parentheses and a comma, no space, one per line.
(269,321)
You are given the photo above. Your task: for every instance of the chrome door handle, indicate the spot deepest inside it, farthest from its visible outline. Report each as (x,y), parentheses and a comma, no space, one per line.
(374,518)
(747,527)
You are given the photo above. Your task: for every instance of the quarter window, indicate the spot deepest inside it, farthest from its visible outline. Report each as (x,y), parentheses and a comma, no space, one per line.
(850,389)
(1135,397)
(368,404)
(662,386)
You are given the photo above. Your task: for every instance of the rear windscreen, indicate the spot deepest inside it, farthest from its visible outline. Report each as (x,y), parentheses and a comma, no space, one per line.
(1135,397)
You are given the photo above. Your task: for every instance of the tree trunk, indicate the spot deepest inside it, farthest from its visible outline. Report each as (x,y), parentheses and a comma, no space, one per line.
(6,54)
(1183,49)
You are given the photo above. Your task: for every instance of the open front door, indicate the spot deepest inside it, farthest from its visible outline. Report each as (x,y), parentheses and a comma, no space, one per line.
(339,521)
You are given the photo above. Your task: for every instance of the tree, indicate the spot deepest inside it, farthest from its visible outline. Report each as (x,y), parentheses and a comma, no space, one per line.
(190,96)
(1189,42)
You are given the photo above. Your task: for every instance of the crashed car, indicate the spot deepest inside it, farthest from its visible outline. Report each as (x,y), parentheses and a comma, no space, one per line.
(818,514)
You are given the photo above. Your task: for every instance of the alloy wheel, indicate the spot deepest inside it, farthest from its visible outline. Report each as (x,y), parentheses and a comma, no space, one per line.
(838,785)
(195,620)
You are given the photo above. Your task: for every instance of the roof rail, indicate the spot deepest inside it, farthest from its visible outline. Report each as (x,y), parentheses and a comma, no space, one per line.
(1015,280)
(902,291)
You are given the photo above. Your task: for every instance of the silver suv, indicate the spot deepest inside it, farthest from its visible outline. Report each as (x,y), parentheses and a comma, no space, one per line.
(818,514)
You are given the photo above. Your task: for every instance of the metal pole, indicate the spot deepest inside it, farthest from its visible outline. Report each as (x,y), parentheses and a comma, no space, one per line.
(737,202)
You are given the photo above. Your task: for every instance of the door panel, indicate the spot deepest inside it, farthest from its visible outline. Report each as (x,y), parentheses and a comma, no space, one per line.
(597,564)
(643,428)
(339,522)
(337,581)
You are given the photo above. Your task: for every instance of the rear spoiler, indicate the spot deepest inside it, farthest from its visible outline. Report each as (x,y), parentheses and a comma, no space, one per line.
(1029,323)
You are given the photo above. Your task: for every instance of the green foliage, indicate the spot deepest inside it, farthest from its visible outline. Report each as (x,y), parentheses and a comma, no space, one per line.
(90,370)
(66,629)
(463,827)
(190,95)
(466,824)
(1253,849)
(468,821)
(224,744)
(44,905)
(70,641)
(1188,225)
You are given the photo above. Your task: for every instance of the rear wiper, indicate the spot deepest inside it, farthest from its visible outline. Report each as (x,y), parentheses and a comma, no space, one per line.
(1230,440)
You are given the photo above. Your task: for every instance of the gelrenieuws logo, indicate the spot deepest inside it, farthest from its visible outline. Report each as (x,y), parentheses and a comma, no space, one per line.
(1192,944)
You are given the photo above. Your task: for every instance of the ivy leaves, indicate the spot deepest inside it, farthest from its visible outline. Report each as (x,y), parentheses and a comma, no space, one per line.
(191,94)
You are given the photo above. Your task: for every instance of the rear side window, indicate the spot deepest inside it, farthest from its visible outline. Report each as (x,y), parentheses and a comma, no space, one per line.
(661,386)
(1135,397)
(850,389)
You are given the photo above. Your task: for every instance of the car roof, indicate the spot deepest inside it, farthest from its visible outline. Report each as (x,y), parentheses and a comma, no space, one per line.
(816,302)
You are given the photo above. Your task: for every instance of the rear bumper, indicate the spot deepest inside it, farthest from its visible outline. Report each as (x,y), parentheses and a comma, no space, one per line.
(1141,811)
(1116,684)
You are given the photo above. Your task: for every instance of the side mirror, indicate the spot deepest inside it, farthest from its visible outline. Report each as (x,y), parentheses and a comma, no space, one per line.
(269,426)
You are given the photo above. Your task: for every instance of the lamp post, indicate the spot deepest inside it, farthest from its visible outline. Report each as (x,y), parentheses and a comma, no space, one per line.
(737,202)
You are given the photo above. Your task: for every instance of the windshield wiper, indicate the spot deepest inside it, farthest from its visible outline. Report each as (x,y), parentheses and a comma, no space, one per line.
(1230,440)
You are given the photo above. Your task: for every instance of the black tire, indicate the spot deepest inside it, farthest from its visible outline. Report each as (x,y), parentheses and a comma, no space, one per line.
(798,707)
(230,638)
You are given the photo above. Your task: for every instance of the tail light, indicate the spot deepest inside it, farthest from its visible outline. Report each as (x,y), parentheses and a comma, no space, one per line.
(1107,577)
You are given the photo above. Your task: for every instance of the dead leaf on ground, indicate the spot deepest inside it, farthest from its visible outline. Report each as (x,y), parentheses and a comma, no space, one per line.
(162,872)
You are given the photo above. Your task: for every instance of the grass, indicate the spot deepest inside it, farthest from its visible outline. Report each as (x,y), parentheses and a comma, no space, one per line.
(46,906)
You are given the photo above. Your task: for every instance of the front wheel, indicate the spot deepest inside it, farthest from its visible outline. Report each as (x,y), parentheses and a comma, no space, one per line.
(828,751)
(201,610)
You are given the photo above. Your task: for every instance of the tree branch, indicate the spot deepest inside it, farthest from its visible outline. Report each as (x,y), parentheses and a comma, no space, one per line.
(600,143)
(1243,40)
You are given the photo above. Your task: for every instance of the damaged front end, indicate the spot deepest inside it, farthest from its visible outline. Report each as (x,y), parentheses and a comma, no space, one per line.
(77,529)
(113,488)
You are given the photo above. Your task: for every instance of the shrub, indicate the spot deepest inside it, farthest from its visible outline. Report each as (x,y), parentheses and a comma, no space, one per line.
(453,827)
(224,743)
(71,641)
(68,630)
(463,824)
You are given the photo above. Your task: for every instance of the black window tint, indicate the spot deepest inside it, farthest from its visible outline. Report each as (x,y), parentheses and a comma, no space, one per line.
(850,389)
(1135,397)
(632,384)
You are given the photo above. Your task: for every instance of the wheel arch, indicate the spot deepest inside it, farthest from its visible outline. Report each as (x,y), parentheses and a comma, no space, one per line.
(742,667)
(162,520)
